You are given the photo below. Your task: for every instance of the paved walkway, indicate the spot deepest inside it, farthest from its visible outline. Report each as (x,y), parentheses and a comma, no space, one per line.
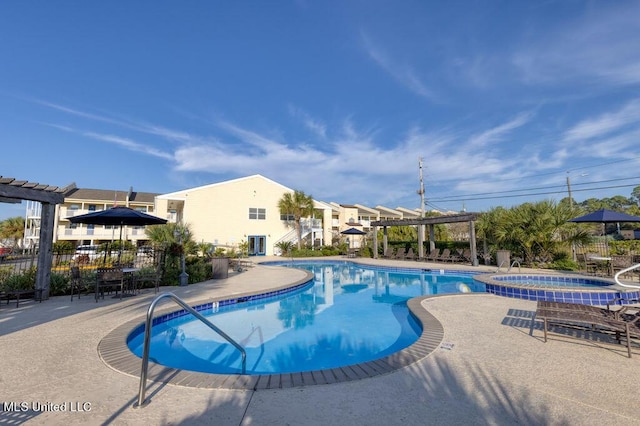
(490,371)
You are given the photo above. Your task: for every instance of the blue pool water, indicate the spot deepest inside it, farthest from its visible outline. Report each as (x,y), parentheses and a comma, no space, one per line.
(553,281)
(350,314)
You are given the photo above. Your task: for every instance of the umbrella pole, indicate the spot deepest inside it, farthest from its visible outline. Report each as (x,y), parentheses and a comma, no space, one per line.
(120,248)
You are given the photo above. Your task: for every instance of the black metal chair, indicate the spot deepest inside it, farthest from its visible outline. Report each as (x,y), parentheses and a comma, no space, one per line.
(78,283)
(149,276)
(109,279)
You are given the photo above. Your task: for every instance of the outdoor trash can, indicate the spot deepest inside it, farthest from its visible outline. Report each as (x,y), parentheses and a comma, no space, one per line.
(503,258)
(220,267)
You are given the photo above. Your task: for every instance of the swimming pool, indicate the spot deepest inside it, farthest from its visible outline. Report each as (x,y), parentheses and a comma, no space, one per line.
(350,314)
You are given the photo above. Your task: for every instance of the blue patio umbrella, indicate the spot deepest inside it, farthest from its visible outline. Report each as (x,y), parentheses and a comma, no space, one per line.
(604,216)
(118,216)
(353,231)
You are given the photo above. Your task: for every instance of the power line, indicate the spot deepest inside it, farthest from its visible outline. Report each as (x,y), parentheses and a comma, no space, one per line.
(563,187)
(474,198)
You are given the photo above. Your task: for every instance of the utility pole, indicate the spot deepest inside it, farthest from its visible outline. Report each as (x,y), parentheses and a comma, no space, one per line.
(569,190)
(421,190)
(421,226)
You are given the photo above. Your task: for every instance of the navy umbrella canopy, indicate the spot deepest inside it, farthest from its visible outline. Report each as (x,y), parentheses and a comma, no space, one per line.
(118,215)
(353,231)
(606,216)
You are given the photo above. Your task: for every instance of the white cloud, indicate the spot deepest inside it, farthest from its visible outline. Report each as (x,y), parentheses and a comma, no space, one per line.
(498,133)
(315,126)
(130,145)
(402,73)
(605,124)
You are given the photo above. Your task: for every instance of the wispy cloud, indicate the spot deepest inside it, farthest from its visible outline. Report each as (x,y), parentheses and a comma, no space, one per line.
(314,125)
(402,73)
(117,140)
(130,145)
(138,126)
(605,124)
(498,133)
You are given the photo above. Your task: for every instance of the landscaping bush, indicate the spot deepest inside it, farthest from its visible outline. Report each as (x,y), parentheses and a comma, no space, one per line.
(24,281)
(199,269)
(564,265)
(59,284)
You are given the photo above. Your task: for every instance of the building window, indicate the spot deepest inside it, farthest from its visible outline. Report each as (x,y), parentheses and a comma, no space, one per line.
(287,217)
(257,213)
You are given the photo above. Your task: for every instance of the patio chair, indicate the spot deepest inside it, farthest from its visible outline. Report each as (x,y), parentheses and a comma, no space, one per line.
(388,254)
(109,279)
(433,255)
(149,276)
(620,262)
(77,283)
(586,264)
(465,256)
(410,254)
(445,256)
(399,253)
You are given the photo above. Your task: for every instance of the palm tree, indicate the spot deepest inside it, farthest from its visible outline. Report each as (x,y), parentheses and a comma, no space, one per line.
(297,206)
(12,229)
(169,235)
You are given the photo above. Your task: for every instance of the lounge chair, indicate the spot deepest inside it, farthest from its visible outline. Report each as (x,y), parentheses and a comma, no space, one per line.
(433,255)
(445,256)
(465,256)
(399,253)
(620,323)
(410,255)
(388,254)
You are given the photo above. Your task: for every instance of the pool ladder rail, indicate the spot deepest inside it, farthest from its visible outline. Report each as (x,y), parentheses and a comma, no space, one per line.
(515,262)
(616,277)
(147,341)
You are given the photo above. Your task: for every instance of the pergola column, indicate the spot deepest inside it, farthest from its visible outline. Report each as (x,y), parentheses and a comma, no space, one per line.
(375,242)
(420,241)
(472,243)
(45,250)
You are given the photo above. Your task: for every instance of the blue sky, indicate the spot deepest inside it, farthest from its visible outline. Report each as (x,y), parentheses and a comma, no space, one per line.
(336,98)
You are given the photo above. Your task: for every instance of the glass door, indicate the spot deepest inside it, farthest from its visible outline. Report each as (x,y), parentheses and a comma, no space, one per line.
(257,245)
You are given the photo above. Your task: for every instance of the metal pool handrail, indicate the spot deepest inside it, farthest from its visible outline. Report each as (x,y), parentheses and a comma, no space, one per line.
(509,269)
(147,340)
(624,271)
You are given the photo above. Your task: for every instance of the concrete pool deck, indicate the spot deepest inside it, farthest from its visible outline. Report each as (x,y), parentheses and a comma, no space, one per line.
(489,370)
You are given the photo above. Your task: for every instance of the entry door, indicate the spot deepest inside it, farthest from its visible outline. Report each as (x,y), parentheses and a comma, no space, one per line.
(257,245)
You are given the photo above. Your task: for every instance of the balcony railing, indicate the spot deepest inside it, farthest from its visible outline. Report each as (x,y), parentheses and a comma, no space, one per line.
(101,233)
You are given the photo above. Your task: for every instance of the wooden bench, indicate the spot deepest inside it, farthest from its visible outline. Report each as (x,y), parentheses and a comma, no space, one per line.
(37,295)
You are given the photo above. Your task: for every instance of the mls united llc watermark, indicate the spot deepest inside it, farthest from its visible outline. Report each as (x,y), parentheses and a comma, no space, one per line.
(67,406)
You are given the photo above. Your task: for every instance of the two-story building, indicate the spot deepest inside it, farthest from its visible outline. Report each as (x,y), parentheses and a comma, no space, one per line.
(226,214)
